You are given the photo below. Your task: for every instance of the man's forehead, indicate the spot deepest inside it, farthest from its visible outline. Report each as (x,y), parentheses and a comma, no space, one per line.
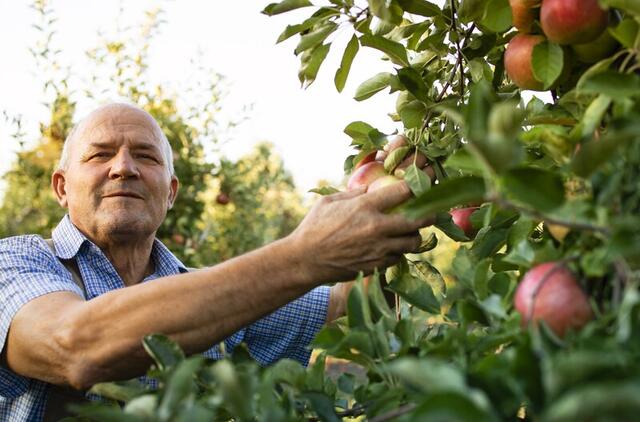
(115,123)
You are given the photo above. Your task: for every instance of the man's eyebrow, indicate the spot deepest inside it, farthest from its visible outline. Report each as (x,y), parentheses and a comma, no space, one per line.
(109,145)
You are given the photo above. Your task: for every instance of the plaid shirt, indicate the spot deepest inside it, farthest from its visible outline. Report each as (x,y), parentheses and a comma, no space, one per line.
(28,269)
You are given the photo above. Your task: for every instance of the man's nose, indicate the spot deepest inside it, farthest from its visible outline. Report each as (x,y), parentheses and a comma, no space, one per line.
(123,166)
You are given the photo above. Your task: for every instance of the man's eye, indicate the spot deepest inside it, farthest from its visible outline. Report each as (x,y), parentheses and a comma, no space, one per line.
(148,157)
(100,155)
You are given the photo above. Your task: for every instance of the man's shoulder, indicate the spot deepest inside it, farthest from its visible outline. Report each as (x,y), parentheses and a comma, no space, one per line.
(28,243)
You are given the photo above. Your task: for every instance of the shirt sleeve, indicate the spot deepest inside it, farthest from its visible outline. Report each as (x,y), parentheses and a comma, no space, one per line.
(28,269)
(288,331)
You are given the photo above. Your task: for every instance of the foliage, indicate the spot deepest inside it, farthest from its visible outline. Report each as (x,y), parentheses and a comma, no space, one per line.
(457,351)
(121,72)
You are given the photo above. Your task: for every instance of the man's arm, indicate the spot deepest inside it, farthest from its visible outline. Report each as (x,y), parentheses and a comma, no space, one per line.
(62,339)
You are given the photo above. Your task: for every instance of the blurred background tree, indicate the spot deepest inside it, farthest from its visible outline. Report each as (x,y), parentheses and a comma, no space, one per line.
(263,203)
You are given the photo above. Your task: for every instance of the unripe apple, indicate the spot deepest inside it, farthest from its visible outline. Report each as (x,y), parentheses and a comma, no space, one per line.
(366,159)
(600,48)
(572,21)
(524,14)
(550,292)
(365,175)
(462,218)
(382,182)
(517,61)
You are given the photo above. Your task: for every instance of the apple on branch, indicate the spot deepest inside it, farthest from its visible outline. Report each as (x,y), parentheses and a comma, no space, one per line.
(462,218)
(517,61)
(524,14)
(572,21)
(549,292)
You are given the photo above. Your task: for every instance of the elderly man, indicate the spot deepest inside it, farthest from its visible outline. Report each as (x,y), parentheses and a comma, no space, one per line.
(116,180)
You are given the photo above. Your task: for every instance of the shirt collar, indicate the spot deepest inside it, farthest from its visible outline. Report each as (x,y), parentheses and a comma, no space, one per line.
(68,240)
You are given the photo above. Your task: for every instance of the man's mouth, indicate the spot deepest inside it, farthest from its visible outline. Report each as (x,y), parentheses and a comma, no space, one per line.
(125,194)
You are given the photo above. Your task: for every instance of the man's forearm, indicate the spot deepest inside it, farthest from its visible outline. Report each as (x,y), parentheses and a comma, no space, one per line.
(102,336)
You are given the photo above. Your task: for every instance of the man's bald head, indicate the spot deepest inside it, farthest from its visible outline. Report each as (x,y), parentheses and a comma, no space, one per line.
(78,133)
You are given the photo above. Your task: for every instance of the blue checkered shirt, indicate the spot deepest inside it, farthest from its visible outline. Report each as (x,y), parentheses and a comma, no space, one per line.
(28,269)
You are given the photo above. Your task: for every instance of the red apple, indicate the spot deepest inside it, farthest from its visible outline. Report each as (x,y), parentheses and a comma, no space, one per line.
(517,61)
(572,21)
(462,218)
(382,182)
(366,159)
(550,292)
(365,175)
(524,14)
(223,198)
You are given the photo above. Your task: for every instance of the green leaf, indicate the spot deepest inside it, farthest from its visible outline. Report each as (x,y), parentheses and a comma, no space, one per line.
(538,188)
(120,390)
(462,160)
(497,16)
(386,10)
(373,85)
(448,227)
(291,30)
(285,6)
(631,6)
(164,352)
(316,37)
(594,154)
(604,401)
(324,190)
(420,7)
(378,304)
(413,114)
(323,406)
(417,180)
(445,195)
(328,337)
(432,277)
(613,84)
(365,135)
(415,291)
(311,62)
(394,158)
(453,406)
(626,32)
(394,50)
(547,62)
(358,311)
(345,65)
(427,375)
(412,80)
(180,385)
(594,115)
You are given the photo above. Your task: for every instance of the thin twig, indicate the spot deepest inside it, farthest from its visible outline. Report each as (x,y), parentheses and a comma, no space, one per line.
(402,410)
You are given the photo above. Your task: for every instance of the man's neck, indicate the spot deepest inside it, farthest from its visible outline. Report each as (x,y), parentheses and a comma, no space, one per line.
(131,258)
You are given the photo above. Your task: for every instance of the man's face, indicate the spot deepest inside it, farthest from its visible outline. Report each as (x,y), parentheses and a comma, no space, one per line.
(116,185)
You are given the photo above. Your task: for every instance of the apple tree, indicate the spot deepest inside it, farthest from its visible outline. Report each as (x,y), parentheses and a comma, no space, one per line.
(542,319)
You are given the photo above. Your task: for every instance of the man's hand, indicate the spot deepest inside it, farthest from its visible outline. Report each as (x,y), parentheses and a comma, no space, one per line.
(353,231)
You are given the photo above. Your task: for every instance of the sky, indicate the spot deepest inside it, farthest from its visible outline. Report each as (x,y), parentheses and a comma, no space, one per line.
(230,37)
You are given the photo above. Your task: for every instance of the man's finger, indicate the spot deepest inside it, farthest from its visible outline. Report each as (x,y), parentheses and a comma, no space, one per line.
(398,224)
(404,244)
(338,196)
(390,196)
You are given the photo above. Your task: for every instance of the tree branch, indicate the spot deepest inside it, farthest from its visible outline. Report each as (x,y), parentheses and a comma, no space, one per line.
(402,410)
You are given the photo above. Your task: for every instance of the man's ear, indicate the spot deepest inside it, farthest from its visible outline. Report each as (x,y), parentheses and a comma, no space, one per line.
(58,183)
(173,191)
